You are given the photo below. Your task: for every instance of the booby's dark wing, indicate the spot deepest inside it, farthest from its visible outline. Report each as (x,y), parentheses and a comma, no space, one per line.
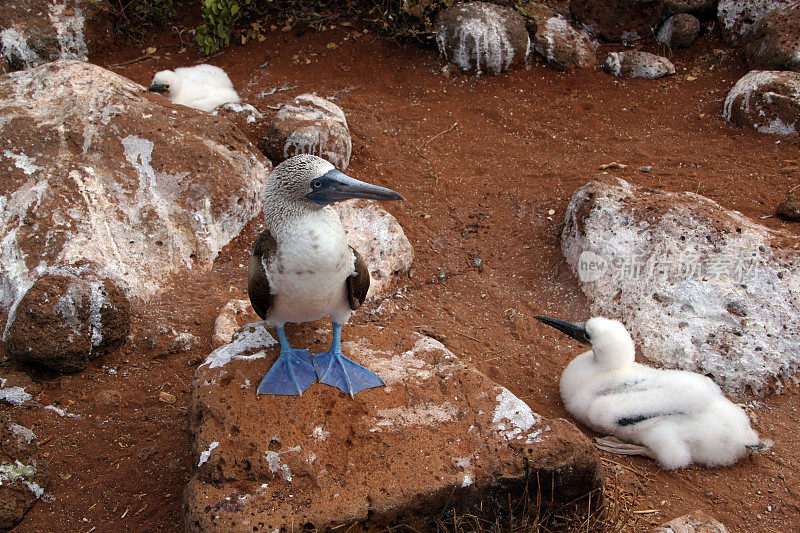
(264,250)
(358,283)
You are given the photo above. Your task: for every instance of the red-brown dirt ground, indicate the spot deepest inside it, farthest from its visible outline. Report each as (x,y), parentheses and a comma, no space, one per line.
(481,162)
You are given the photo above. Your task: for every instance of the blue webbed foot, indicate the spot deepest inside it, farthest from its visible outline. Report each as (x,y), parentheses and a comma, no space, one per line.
(336,370)
(291,374)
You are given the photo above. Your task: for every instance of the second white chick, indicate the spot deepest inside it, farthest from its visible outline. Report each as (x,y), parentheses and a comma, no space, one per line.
(677,417)
(203,87)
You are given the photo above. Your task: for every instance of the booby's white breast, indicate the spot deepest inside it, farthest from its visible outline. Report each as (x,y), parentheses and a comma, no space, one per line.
(308,273)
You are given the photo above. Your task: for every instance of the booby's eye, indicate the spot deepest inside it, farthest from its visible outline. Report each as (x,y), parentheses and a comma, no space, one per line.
(316,184)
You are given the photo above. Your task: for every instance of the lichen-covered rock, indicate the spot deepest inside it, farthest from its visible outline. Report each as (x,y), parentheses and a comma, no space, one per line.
(766,100)
(789,209)
(92,169)
(66,319)
(737,17)
(482,37)
(700,288)
(33,32)
(23,473)
(619,20)
(309,125)
(378,237)
(637,64)
(679,31)
(17,388)
(555,39)
(774,41)
(440,436)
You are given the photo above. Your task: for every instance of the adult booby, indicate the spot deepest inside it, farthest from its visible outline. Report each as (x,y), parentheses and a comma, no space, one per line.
(302,269)
(676,417)
(203,87)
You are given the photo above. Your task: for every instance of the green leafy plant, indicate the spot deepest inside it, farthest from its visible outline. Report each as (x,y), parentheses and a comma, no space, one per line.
(220,17)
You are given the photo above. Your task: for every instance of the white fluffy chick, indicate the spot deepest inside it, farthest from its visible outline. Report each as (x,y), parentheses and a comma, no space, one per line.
(203,87)
(675,417)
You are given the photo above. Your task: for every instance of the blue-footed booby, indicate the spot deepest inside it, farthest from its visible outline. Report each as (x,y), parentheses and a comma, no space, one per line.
(203,87)
(302,269)
(673,416)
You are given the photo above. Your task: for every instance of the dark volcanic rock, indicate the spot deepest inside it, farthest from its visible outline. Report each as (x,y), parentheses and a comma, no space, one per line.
(679,31)
(774,41)
(766,100)
(563,46)
(440,436)
(619,20)
(789,209)
(64,321)
(737,17)
(482,37)
(23,473)
(637,64)
(309,125)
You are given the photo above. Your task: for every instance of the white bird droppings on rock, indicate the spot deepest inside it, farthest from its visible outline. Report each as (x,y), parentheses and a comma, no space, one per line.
(766,100)
(514,419)
(252,336)
(207,453)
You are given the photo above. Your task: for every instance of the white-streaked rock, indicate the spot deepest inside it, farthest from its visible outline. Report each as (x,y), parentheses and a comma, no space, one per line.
(766,100)
(482,37)
(637,64)
(700,288)
(737,17)
(309,125)
(144,191)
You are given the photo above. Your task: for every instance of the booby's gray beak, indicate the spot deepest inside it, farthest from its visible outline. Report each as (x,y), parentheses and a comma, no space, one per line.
(576,330)
(158,88)
(335,186)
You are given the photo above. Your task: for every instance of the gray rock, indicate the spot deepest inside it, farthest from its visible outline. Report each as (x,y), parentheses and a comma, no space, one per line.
(766,100)
(700,288)
(694,522)
(309,125)
(482,37)
(737,17)
(379,238)
(619,20)
(439,437)
(33,32)
(94,169)
(679,31)
(774,41)
(555,39)
(67,319)
(23,473)
(636,64)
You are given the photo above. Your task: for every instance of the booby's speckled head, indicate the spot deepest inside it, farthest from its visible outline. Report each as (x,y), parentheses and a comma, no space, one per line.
(611,343)
(313,179)
(164,81)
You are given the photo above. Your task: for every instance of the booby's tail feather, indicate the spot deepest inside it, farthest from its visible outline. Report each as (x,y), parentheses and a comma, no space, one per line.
(338,371)
(291,374)
(761,446)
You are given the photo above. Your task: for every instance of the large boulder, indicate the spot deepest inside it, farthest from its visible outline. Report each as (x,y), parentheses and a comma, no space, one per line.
(66,319)
(555,39)
(33,32)
(737,17)
(700,288)
(309,125)
(638,64)
(619,20)
(768,101)
(439,438)
(482,37)
(774,41)
(23,473)
(93,169)
(700,8)
(379,238)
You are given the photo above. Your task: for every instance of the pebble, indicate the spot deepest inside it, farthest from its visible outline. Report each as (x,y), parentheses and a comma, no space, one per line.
(647,168)
(789,209)
(166,397)
(107,398)
(147,452)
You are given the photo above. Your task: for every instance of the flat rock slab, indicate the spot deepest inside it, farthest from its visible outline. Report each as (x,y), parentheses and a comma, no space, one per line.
(440,436)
